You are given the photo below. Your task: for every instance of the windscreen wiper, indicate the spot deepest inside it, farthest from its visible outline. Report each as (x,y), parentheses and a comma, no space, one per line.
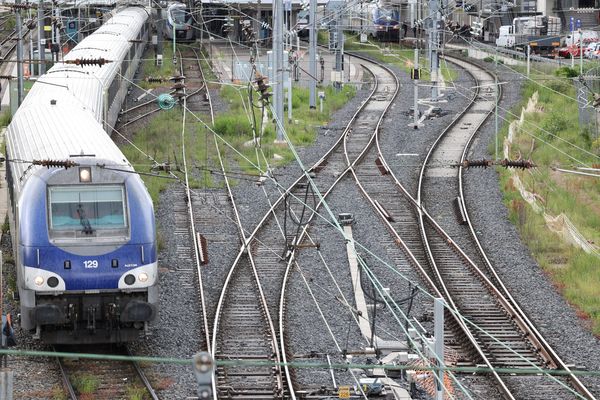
(87,227)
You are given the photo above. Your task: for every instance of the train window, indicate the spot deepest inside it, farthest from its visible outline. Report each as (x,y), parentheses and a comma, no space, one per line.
(96,207)
(179,15)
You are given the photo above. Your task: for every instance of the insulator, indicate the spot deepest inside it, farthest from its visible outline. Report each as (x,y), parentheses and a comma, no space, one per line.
(178,86)
(20,6)
(90,61)
(152,79)
(177,78)
(522,164)
(477,163)
(7,77)
(166,101)
(55,163)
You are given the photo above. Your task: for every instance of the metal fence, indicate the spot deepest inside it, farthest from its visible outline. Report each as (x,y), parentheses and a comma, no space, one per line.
(588,89)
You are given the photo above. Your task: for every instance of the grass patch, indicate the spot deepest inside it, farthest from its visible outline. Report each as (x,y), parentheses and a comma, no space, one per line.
(166,70)
(161,137)
(136,392)
(5,118)
(573,271)
(237,126)
(85,384)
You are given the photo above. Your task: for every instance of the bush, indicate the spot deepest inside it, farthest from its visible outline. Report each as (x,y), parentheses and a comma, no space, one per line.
(555,124)
(566,72)
(560,86)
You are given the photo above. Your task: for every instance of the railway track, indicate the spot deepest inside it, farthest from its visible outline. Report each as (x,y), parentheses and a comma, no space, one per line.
(196,90)
(196,251)
(267,256)
(452,274)
(104,379)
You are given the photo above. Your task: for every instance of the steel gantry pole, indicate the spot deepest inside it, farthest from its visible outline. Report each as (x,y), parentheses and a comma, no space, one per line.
(41,43)
(19,28)
(312,54)
(278,67)
(433,46)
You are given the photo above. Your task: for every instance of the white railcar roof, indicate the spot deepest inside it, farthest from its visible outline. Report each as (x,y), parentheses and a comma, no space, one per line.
(42,131)
(112,42)
(72,125)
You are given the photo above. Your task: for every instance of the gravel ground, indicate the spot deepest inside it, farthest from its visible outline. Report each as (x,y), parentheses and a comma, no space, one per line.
(33,377)
(177,332)
(531,287)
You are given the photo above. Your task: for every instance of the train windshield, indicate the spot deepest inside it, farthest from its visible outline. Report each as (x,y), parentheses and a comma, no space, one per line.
(179,15)
(382,16)
(87,208)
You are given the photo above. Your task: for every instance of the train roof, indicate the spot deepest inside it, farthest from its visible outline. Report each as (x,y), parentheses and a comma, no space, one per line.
(62,114)
(45,131)
(86,83)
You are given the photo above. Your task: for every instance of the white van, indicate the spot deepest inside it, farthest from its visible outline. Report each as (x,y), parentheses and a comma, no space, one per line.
(587,36)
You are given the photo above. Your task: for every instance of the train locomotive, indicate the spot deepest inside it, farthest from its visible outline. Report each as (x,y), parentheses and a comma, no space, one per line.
(378,20)
(82,221)
(386,23)
(179,23)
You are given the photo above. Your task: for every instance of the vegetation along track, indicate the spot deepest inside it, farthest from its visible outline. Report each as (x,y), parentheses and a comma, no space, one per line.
(442,265)
(103,378)
(246,330)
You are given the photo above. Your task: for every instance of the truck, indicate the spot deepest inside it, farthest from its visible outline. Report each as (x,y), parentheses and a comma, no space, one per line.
(540,32)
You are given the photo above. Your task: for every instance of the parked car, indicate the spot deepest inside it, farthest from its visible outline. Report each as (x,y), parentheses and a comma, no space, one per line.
(590,50)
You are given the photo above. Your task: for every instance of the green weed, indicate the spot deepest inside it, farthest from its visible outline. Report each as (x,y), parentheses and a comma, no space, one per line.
(85,384)
(571,269)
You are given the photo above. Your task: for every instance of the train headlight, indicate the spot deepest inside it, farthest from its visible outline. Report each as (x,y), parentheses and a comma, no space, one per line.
(85,174)
(143,277)
(38,280)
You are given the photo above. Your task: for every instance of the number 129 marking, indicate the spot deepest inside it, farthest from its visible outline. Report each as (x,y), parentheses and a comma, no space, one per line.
(90,263)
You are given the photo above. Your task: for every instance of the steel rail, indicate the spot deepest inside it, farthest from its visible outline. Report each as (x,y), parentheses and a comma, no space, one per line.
(447,296)
(188,194)
(125,350)
(529,326)
(263,221)
(292,259)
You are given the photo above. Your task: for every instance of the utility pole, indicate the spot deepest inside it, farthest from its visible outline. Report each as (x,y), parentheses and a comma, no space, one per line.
(416,91)
(258,17)
(580,52)
(433,48)
(289,88)
(56,38)
(528,60)
(339,48)
(159,34)
(278,67)
(312,54)
(19,53)
(41,42)
(496,97)
(438,317)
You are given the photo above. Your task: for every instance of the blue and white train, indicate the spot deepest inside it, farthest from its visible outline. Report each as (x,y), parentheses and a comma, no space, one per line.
(83,237)
(179,23)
